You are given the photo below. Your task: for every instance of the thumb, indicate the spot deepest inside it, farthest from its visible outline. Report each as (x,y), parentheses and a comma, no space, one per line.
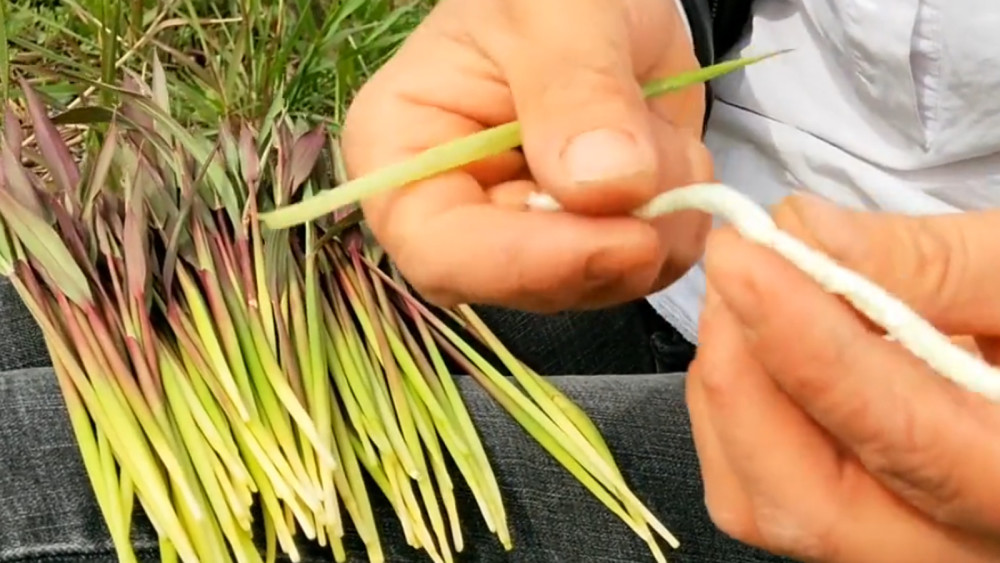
(588,134)
(943,266)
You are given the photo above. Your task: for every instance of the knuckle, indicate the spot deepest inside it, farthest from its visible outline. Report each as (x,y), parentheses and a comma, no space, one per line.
(442,300)
(814,364)
(788,217)
(940,259)
(425,276)
(608,85)
(775,528)
(705,369)
(910,460)
(713,380)
(734,523)
(794,534)
(432,289)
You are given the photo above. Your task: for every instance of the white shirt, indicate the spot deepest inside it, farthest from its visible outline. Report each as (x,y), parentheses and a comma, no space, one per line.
(883,104)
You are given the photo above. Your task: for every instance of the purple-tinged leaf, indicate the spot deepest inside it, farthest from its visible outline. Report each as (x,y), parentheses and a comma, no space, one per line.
(249,159)
(178,240)
(160,95)
(18,184)
(229,152)
(12,132)
(135,246)
(71,233)
(134,111)
(133,83)
(148,181)
(105,240)
(228,146)
(283,166)
(102,167)
(47,249)
(305,152)
(57,156)
(348,214)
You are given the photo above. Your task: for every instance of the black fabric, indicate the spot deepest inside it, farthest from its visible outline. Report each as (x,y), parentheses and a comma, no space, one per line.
(48,512)
(716,25)
(21,344)
(729,19)
(627,339)
(700,21)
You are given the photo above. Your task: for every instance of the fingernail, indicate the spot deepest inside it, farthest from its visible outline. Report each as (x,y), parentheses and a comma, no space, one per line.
(832,227)
(604,155)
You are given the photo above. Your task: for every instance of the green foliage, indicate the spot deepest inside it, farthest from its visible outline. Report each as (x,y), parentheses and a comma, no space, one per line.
(208,363)
(223,59)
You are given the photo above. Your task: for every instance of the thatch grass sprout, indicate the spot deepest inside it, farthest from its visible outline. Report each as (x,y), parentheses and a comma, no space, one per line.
(226,335)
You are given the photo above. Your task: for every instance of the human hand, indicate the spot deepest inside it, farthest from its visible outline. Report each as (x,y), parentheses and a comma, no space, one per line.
(819,439)
(571,72)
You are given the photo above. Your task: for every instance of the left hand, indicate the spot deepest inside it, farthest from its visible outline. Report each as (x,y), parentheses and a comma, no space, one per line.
(819,439)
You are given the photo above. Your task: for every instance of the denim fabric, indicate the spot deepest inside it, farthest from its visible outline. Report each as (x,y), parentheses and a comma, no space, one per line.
(628,339)
(47,512)
(21,344)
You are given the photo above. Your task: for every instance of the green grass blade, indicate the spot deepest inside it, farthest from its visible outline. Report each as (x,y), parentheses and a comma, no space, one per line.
(451,155)
(4,53)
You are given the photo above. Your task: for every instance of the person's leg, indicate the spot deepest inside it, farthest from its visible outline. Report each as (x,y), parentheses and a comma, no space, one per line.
(628,339)
(47,512)
(21,344)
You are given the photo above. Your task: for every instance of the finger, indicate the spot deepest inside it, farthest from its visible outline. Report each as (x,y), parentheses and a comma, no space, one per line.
(512,195)
(480,253)
(928,441)
(727,502)
(684,108)
(682,234)
(873,525)
(783,461)
(942,266)
(399,113)
(586,127)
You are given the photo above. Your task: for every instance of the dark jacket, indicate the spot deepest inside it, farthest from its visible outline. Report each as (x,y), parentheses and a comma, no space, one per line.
(716,26)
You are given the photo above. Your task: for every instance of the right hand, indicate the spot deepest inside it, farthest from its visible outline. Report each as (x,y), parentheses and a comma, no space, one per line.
(819,439)
(571,71)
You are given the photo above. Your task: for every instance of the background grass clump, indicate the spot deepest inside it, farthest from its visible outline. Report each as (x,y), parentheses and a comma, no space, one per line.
(223,59)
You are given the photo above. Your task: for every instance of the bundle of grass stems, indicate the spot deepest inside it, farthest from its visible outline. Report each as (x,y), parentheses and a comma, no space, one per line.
(210,365)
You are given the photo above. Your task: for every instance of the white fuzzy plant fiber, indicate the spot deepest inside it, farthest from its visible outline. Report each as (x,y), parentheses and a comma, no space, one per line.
(900,322)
